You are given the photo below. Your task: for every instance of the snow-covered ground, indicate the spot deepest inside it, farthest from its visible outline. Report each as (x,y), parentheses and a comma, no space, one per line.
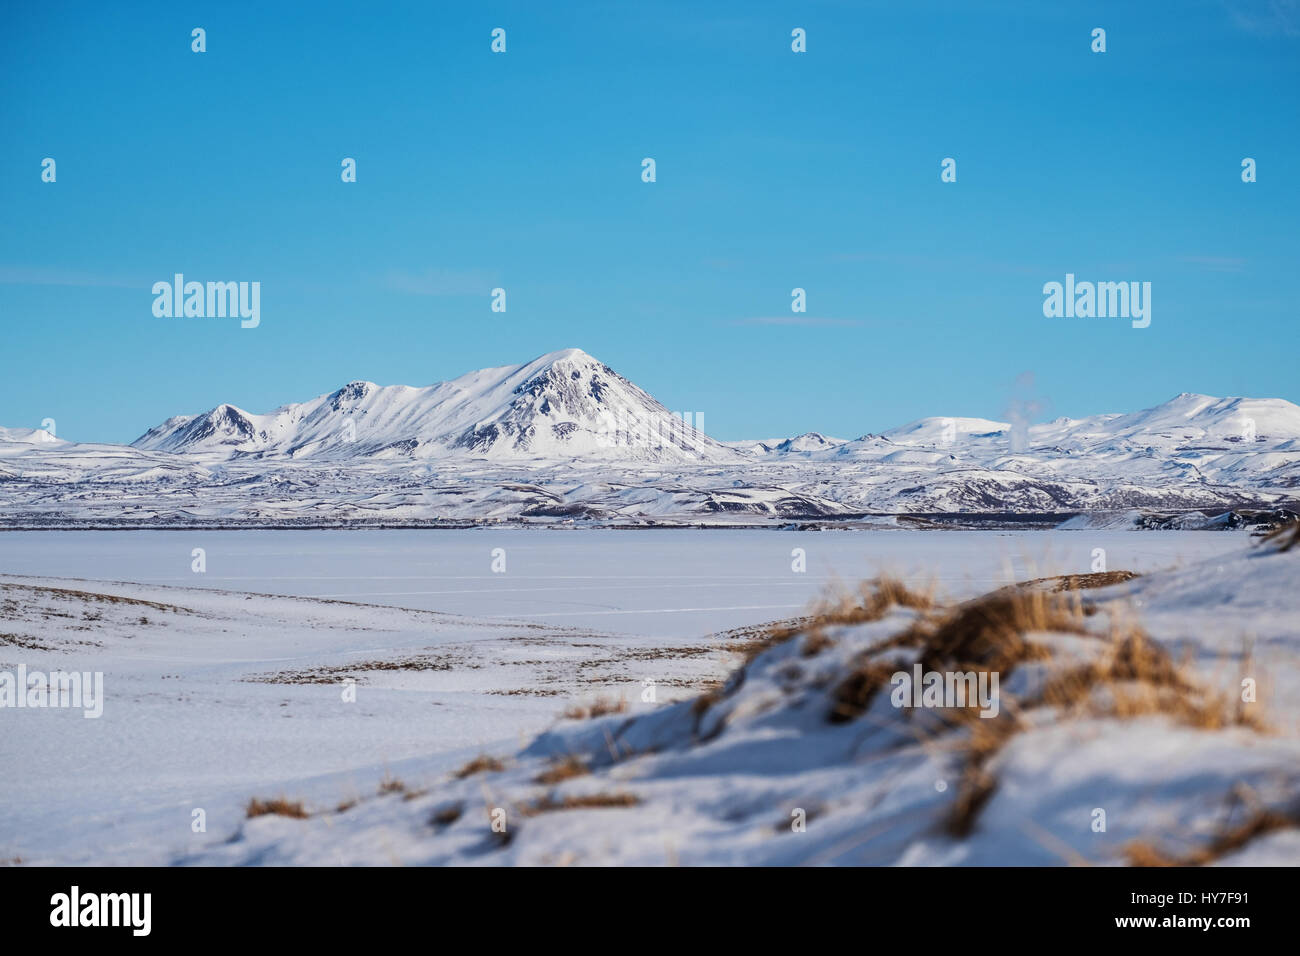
(215,694)
(210,696)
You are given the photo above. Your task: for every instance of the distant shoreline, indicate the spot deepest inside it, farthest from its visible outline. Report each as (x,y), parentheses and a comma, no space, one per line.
(1261,518)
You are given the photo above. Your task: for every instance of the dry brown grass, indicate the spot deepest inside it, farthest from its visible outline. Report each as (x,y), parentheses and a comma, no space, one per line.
(986,634)
(391,785)
(562,770)
(589,801)
(984,738)
(480,764)
(1259,822)
(26,643)
(1130,676)
(601,707)
(446,816)
(1136,677)
(87,596)
(709,697)
(853,695)
(974,790)
(748,640)
(815,643)
(750,649)
(872,601)
(1080,582)
(990,633)
(279,806)
(1286,537)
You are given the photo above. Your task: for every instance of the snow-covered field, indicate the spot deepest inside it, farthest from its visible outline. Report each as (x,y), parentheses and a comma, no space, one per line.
(230,684)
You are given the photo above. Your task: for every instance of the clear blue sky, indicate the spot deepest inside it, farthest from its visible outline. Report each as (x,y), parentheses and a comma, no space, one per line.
(775,170)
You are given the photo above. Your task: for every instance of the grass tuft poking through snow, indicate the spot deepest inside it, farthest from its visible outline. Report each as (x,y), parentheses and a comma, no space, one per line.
(278,806)
(480,764)
(1286,537)
(588,801)
(1253,823)
(601,707)
(564,769)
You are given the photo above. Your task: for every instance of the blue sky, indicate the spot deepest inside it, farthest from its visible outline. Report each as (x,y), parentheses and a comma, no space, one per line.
(775,170)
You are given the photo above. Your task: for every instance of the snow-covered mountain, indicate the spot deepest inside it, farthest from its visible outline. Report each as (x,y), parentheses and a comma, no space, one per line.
(27,436)
(1194,451)
(807,442)
(1184,422)
(564,437)
(562,405)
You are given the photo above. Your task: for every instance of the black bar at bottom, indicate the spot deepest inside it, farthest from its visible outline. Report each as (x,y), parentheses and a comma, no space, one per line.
(330,906)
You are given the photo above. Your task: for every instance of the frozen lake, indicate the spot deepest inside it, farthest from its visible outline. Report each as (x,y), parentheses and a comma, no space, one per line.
(670,582)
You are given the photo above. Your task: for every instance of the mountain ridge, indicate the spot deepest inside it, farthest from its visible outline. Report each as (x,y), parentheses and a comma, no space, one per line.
(503,411)
(565,438)
(562,404)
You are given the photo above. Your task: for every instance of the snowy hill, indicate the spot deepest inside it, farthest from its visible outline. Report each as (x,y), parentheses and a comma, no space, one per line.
(561,405)
(945,431)
(27,436)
